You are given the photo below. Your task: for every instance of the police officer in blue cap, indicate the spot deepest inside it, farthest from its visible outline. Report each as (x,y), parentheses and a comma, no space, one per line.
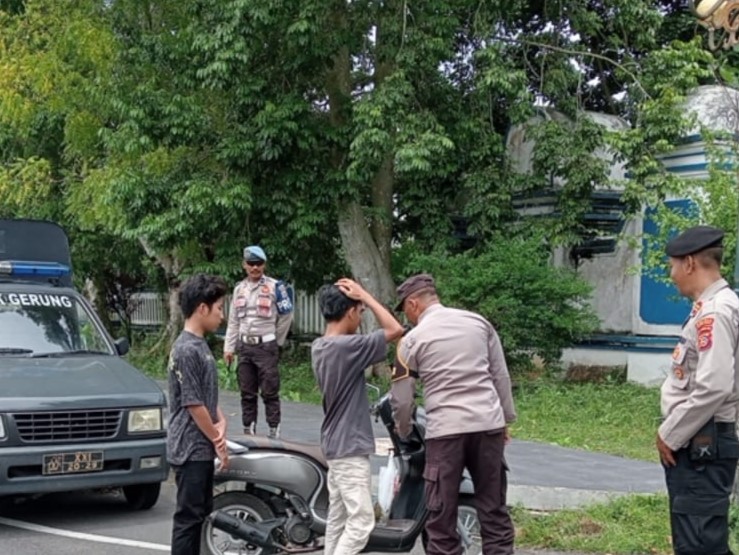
(697,440)
(258,323)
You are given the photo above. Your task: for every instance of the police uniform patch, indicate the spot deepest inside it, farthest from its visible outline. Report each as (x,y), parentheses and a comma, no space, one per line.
(696,308)
(679,372)
(678,354)
(400,369)
(705,341)
(705,333)
(282,299)
(240,302)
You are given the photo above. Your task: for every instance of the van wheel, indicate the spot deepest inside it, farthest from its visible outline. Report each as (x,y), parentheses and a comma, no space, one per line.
(142,497)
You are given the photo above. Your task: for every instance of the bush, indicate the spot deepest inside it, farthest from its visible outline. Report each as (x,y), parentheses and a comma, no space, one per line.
(536,309)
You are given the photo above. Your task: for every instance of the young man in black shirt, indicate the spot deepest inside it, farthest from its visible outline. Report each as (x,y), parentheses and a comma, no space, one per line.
(197,426)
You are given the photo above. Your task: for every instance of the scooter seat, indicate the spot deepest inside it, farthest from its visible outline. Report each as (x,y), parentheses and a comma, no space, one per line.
(262,442)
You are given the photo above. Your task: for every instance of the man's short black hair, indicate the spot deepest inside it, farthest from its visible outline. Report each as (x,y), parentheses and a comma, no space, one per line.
(710,256)
(199,289)
(334,303)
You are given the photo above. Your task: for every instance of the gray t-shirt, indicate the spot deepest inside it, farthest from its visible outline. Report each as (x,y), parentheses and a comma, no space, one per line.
(193,380)
(338,364)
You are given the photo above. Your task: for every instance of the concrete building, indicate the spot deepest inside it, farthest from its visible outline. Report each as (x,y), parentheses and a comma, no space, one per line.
(640,316)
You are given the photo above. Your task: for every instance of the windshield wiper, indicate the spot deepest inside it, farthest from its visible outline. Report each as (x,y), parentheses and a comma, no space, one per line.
(66,353)
(14,351)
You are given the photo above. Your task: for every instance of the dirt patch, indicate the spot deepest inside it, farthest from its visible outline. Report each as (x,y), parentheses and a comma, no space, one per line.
(581,373)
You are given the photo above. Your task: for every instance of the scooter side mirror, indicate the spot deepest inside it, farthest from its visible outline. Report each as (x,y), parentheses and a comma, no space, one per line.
(374,389)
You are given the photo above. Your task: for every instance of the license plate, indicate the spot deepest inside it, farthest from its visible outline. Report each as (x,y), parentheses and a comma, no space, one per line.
(73,463)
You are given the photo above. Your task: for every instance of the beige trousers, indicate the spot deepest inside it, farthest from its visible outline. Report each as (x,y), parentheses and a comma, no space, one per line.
(351,516)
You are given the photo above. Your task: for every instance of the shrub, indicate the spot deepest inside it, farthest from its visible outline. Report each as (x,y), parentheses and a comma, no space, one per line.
(536,308)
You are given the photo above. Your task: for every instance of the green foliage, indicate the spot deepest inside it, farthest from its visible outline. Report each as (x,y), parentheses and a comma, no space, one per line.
(716,200)
(536,309)
(184,129)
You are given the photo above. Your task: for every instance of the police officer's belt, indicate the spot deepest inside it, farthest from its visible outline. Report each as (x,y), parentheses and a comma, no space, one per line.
(257,339)
(724,427)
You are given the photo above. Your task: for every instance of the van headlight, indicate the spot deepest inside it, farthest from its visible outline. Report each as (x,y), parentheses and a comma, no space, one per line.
(145,420)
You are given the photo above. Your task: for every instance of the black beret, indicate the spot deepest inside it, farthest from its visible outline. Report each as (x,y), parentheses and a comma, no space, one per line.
(693,240)
(412,285)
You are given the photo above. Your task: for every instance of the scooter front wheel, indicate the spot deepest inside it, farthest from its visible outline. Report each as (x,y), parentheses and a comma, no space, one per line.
(242,505)
(468,526)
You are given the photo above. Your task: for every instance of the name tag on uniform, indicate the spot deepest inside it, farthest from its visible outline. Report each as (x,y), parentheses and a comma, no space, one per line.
(264,306)
(240,302)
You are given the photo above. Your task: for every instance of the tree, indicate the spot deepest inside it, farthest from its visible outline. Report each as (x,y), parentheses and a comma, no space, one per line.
(327,131)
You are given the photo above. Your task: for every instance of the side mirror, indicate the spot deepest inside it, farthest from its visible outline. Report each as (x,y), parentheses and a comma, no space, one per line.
(122,346)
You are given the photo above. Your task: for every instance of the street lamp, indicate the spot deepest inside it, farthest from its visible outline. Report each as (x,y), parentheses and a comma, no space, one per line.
(718,15)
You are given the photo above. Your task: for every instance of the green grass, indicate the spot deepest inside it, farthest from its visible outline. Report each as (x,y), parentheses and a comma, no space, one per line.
(619,419)
(635,524)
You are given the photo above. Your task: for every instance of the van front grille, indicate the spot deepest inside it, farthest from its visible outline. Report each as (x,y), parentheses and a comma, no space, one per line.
(41,427)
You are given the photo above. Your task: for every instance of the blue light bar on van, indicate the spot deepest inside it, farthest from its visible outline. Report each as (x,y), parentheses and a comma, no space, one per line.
(30,268)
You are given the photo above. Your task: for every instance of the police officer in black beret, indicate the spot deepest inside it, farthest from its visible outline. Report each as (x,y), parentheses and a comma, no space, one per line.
(697,440)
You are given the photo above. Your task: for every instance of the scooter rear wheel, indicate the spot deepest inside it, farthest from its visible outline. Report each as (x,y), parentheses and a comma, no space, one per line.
(466,518)
(244,506)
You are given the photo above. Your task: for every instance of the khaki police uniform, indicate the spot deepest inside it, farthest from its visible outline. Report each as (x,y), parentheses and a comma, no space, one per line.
(467,394)
(699,403)
(257,326)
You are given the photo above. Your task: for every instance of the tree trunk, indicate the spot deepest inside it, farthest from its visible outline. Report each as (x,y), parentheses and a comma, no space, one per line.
(382,202)
(174,323)
(366,264)
(172,267)
(363,254)
(366,244)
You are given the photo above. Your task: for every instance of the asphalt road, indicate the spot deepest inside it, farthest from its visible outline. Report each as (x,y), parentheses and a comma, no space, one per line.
(88,523)
(96,523)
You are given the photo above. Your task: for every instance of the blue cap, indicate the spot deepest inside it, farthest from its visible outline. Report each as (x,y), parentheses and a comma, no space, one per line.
(254,253)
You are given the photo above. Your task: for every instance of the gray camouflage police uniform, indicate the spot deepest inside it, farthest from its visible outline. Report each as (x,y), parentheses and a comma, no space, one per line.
(699,403)
(258,323)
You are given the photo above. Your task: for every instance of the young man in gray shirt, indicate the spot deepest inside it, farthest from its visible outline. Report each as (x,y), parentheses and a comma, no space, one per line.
(339,360)
(197,426)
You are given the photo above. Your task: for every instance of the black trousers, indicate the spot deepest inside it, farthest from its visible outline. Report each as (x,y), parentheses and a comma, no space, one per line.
(258,372)
(194,481)
(446,458)
(699,499)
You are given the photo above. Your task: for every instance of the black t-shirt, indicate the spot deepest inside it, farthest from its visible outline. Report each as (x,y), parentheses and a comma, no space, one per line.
(339,363)
(193,380)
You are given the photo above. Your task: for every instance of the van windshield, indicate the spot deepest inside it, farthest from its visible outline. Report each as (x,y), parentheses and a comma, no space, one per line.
(47,324)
